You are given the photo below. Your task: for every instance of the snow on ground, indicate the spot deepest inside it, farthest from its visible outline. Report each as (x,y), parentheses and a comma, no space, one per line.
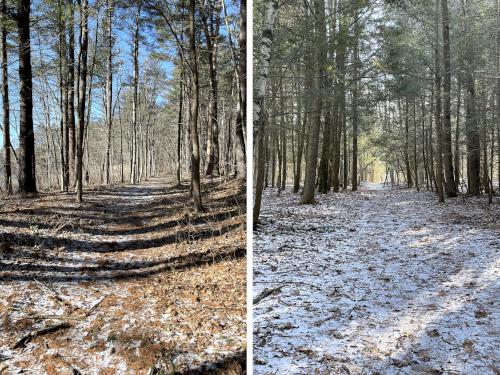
(142,281)
(379,281)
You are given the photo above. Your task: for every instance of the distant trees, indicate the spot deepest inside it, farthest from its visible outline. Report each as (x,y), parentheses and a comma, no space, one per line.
(404,104)
(157,118)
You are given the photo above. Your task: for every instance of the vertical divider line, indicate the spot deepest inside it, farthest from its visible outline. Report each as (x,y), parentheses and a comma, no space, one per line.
(249,156)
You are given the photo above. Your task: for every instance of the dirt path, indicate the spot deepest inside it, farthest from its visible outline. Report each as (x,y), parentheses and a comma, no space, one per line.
(142,281)
(378,282)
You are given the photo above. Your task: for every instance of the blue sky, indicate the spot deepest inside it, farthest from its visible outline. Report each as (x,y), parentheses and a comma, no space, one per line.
(41,42)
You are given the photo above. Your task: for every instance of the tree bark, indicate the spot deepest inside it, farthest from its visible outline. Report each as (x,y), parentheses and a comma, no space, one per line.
(260,87)
(6,105)
(438,110)
(71,90)
(317,89)
(195,88)
(456,167)
(211,24)
(451,188)
(63,89)
(471,121)
(240,151)
(497,66)
(27,173)
(109,88)
(82,90)
(355,109)
(135,53)
(179,125)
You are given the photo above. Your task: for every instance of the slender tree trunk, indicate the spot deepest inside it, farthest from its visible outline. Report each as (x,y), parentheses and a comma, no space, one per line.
(325,151)
(456,168)
(260,88)
(471,121)
(195,88)
(27,173)
(63,84)
(179,125)
(345,155)
(497,65)
(71,90)
(135,156)
(109,87)
(82,86)
(484,130)
(415,159)
(439,130)
(451,188)
(317,89)
(241,115)
(283,137)
(355,109)
(6,105)
(409,179)
(211,24)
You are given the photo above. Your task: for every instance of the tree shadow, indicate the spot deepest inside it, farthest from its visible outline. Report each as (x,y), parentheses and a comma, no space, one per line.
(233,364)
(54,243)
(115,270)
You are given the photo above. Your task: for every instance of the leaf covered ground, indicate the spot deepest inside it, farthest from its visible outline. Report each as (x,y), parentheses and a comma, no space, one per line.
(381,281)
(133,281)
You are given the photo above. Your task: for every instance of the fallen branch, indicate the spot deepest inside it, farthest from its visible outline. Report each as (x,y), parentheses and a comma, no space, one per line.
(21,343)
(56,295)
(95,306)
(54,317)
(266,293)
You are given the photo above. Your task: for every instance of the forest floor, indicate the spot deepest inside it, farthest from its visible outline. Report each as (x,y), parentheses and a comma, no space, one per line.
(129,282)
(380,281)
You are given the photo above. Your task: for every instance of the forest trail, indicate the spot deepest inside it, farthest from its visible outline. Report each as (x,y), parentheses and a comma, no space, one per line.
(380,281)
(138,279)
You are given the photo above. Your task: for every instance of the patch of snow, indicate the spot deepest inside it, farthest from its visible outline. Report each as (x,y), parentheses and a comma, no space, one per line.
(381,280)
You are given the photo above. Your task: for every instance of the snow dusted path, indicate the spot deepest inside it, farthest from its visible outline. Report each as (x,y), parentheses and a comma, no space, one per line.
(377,282)
(142,281)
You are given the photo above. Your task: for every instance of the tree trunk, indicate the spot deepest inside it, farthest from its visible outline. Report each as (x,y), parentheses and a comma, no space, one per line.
(211,29)
(409,179)
(260,87)
(317,90)
(451,188)
(27,174)
(82,86)
(63,90)
(109,88)
(241,116)
(6,105)
(439,130)
(179,125)
(135,157)
(195,88)
(497,65)
(471,121)
(71,90)
(456,168)
(340,98)
(355,109)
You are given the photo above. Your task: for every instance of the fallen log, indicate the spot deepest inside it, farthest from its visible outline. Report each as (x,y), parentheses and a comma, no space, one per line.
(21,343)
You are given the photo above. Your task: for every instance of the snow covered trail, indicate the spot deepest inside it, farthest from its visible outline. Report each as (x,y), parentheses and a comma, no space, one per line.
(379,281)
(140,278)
